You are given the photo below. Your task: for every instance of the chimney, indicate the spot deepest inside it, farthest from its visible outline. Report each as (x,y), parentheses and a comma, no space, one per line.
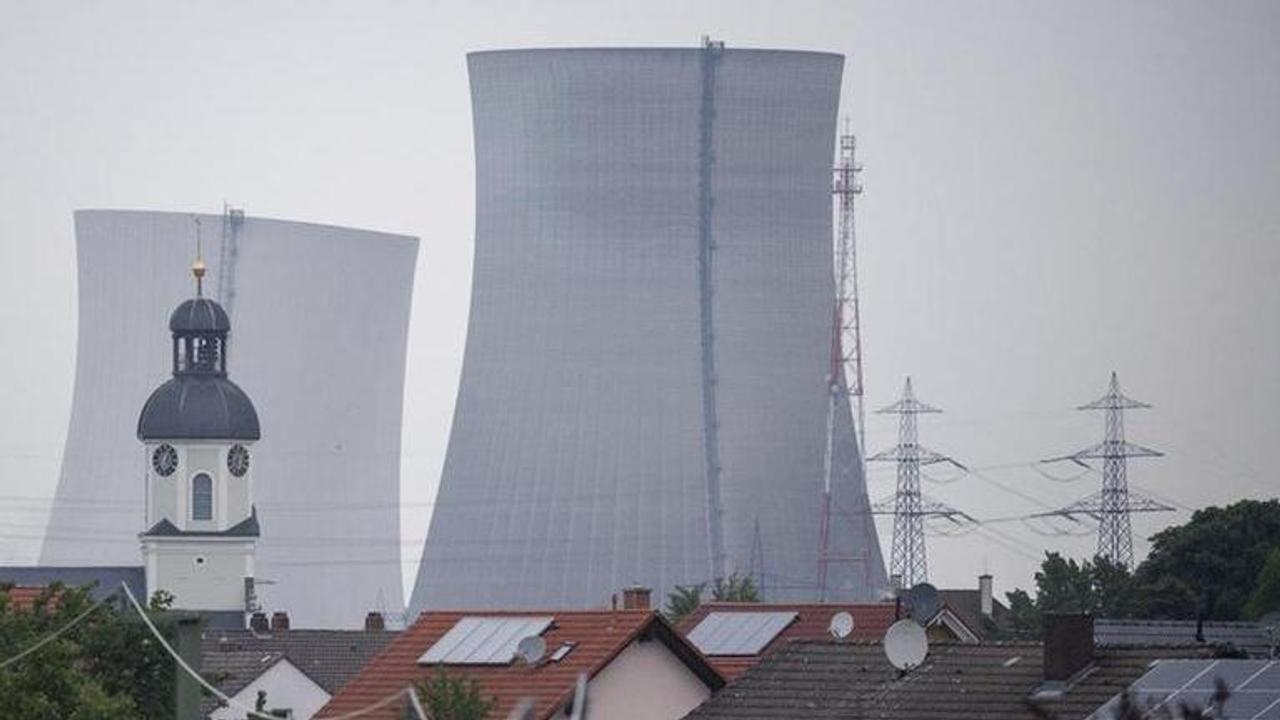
(1068,644)
(258,623)
(635,597)
(985,601)
(279,621)
(374,621)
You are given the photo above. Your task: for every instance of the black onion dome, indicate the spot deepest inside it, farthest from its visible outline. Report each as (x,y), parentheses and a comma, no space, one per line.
(199,315)
(198,408)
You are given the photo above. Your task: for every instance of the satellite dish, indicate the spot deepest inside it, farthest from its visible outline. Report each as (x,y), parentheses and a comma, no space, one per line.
(905,644)
(841,625)
(531,649)
(923,602)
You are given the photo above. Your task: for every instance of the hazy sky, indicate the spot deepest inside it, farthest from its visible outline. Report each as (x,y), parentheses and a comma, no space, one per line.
(1053,191)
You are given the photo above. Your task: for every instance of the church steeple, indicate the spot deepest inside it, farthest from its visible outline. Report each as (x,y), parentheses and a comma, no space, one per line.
(198,427)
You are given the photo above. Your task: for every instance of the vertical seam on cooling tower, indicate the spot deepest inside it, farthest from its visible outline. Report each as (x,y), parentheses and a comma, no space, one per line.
(710,59)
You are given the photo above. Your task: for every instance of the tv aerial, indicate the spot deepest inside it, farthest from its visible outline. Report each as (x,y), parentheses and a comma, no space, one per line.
(922,602)
(905,644)
(531,649)
(841,625)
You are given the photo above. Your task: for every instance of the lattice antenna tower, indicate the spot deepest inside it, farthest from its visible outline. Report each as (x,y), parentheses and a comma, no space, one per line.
(908,563)
(844,373)
(229,251)
(1114,504)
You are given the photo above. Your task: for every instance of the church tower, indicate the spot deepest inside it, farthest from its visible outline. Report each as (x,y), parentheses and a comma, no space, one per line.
(198,428)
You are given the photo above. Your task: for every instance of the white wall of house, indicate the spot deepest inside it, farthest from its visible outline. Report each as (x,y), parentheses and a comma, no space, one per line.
(645,682)
(286,686)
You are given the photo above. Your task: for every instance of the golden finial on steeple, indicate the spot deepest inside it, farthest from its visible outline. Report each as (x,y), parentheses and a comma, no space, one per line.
(198,267)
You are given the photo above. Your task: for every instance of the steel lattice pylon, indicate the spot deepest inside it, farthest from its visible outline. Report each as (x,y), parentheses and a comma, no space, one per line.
(844,376)
(1113,505)
(908,562)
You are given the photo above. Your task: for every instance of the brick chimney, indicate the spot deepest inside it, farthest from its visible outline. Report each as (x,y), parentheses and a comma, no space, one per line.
(258,623)
(985,600)
(279,621)
(1068,644)
(374,621)
(635,597)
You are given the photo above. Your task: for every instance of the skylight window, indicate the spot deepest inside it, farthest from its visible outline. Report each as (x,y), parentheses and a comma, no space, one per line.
(483,640)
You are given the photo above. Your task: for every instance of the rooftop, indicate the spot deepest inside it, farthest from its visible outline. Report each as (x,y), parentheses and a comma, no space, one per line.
(232,659)
(595,638)
(840,679)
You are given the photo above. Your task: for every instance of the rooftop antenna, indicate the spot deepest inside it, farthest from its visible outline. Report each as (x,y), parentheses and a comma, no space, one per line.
(910,507)
(906,645)
(844,373)
(197,267)
(1113,505)
(841,625)
(923,602)
(531,649)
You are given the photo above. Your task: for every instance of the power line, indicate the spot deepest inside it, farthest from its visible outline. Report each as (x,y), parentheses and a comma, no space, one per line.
(57,633)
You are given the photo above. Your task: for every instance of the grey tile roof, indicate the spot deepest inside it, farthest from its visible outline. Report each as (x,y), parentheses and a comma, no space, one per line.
(1249,637)
(105,579)
(993,681)
(231,659)
(968,605)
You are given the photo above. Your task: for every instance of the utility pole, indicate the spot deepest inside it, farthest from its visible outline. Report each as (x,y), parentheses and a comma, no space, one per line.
(908,563)
(1113,505)
(844,374)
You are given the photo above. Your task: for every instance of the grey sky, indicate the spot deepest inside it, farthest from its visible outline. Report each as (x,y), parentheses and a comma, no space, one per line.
(1052,191)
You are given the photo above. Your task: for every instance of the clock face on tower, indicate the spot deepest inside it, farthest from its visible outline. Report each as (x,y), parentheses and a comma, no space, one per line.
(164,460)
(238,460)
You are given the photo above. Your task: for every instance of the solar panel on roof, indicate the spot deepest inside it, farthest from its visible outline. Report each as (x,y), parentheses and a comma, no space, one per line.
(738,633)
(1171,674)
(483,640)
(1252,687)
(1268,679)
(1233,674)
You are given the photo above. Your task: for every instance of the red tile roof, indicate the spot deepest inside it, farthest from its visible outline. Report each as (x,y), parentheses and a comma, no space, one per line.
(599,637)
(23,597)
(870,621)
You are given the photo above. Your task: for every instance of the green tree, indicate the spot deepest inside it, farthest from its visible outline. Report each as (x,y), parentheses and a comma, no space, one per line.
(735,588)
(107,666)
(1100,587)
(1210,564)
(682,600)
(1266,589)
(452,697)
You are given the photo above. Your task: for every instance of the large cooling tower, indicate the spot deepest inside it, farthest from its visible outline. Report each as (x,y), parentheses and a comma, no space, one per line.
(646,361)
(319,320)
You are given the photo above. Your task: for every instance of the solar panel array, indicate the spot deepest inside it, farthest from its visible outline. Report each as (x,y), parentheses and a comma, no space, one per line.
(1253,688)
(738,633)
(483,640)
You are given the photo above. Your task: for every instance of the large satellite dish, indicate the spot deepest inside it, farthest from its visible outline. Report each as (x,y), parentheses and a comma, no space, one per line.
(841,625)
(531,649)
(905,644)
(922,602)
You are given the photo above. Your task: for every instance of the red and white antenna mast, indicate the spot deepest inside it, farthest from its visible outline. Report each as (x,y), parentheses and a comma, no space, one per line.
(845,373)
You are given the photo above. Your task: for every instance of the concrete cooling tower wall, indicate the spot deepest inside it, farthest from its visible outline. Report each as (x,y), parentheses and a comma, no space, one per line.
(645,374)
(319,317)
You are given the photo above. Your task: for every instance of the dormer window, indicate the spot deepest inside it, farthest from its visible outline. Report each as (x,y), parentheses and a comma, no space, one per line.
(202,497)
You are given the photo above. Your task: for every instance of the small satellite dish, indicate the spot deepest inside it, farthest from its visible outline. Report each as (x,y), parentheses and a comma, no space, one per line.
(841,625)
(531,649)
(922,602)
(905,644)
